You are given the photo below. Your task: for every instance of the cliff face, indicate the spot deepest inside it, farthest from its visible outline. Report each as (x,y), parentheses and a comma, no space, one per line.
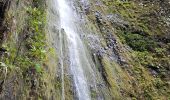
(132,45)
(24,63)
(128,41)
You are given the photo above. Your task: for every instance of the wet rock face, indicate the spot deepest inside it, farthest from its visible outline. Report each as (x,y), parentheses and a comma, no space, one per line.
(140,22)
(105,43)
(3,29)
(112,47)
(3,6)
(1,86)
(99,18)
(2,11)
(117,21)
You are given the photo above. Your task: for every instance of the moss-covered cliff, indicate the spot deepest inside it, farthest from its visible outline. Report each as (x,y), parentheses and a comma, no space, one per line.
(128,40)
(138,32)
(26,68)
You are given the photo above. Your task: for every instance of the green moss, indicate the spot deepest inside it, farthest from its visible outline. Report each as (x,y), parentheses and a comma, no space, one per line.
(138,42)
(111,79)
(35,43)
(30,51)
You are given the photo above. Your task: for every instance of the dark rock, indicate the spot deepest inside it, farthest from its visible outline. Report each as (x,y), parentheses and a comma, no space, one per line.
(3,6)
(3,50)
(33,84)
(164,38)
(122,61)
(1,86)
(99,18)
(153,72)
(101,85)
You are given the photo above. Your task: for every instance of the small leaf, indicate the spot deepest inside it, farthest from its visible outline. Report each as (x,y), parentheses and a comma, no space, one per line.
(38,68)
(43,51)
(2,64)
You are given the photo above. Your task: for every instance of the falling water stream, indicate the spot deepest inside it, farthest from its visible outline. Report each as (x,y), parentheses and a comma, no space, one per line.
(75,59)
(67,21)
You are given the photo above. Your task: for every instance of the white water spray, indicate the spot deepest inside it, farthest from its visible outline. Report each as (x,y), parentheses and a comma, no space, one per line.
(67,21)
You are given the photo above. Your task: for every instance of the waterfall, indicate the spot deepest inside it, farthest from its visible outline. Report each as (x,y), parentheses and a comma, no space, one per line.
(75,61)
(67,21)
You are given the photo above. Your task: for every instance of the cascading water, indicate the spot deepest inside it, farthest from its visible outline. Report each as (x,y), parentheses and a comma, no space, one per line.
(75,45)
(75,60)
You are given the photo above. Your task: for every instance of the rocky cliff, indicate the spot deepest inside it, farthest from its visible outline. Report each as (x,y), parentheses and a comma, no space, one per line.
(128,41)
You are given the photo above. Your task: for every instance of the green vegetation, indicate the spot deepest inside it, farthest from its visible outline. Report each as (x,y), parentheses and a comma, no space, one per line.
(149,53)
(35,43)
(30,50)
(29,53)
(138,42)
(141,72)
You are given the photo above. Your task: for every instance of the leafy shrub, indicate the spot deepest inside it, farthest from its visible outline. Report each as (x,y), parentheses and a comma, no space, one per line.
(139,43)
